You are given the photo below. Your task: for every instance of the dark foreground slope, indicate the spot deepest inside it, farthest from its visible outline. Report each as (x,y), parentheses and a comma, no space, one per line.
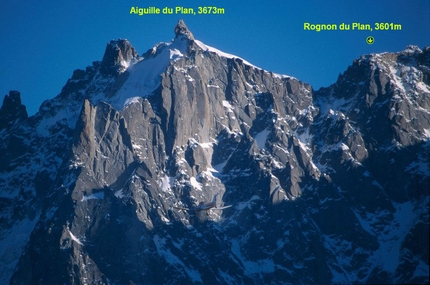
(326,187)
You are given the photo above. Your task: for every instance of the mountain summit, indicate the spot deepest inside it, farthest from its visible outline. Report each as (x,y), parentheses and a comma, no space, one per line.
(118,56)
(189,165)
(181,29)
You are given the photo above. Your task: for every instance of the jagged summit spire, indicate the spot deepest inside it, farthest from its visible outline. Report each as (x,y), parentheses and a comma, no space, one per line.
(118,55)
(12,109)
(182,30)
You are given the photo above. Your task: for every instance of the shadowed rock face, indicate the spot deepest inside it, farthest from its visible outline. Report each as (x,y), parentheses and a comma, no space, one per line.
(327,186)
(12,109)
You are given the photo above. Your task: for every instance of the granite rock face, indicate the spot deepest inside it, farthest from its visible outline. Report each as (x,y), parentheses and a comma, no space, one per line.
(182,30)
(327,186)
(118,56)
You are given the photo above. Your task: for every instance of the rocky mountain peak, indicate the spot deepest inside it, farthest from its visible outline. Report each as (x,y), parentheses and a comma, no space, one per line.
(411,50)
(213,171)
(182,30)
(12,109)
(118,56)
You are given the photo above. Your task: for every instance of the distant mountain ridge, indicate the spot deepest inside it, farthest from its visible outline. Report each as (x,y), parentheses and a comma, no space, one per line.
(327,186)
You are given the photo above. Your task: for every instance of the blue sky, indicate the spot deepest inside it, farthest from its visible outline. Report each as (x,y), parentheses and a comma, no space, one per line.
(43,41)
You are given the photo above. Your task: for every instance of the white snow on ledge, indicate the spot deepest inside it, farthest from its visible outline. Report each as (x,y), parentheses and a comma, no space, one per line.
(145,74)
(227,105)
(261,138)
(228,55)
(132,100)
(98,195)
(195,184)
(221,53)
(73,237)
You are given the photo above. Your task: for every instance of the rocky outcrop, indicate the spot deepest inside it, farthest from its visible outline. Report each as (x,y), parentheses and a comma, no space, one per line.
(182,30)
(12,110)
(118,56)
(388,91)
